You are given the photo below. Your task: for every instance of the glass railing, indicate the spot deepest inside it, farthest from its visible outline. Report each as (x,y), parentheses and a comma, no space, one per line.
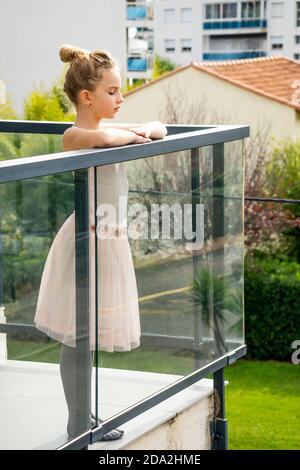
(234,24)
(137,64)
(158,229)
(233,55)
(135,13)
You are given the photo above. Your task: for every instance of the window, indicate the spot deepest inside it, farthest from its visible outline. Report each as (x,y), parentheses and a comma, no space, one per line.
(297,39)
(229,10)
(265,9)
(297,13)
(277,10)
(213,11)
(186,15)
(250,10)
(169,15)
(276,42)
(186,45)
(297,56)
(235,44)
(169,45)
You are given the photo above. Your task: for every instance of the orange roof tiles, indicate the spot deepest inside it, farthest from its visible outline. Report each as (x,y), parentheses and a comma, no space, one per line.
(274,77)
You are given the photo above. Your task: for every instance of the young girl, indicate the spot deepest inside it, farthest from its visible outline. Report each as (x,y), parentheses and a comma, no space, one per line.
(93,84)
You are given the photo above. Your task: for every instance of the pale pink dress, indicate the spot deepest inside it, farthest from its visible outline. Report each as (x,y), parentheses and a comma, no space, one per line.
(118,310)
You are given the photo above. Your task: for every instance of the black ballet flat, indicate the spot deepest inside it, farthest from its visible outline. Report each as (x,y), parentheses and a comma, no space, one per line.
(113,435)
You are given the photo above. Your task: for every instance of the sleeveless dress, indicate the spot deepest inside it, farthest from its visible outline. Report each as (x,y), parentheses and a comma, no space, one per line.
(118,310)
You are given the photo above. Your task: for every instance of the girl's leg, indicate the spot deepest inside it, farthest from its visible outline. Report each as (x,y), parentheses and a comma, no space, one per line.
(77,423)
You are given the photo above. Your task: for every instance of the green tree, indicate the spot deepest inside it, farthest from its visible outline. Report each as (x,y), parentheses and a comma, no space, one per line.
(8,144)
(135,84)
(7,111)
(162,66)
(285,170)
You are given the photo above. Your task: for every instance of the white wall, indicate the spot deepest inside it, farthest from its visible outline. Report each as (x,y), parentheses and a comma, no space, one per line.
(178,30)
(284,26)
(31,32)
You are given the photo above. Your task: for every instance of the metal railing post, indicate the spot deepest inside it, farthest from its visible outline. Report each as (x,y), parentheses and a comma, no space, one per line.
(83,353)
(197,311)
(3,344)
(219,433)
(218,234)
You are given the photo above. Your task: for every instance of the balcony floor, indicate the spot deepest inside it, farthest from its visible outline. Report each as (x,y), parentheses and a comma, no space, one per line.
(33,411)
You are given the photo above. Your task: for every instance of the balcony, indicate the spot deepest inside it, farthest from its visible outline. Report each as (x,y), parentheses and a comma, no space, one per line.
(139,15)
(189,284)
(137,64)
(233,55)
(258,23)
(136,13)
(140,67)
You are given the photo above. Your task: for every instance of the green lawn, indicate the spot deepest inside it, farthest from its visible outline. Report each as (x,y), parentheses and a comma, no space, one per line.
(263,405)
(262,398)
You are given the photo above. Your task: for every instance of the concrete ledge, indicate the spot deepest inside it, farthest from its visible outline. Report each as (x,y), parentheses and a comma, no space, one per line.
(181,422)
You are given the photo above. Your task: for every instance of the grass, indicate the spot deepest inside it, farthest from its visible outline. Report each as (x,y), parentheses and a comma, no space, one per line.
(263,405)
(262,398)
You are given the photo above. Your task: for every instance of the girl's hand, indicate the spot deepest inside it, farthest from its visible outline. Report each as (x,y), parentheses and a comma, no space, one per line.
(139,139)
(143,131)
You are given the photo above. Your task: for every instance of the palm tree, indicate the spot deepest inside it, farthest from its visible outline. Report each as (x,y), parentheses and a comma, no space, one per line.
(214,297)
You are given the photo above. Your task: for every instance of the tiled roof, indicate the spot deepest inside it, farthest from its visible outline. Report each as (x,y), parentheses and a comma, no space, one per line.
(274,77)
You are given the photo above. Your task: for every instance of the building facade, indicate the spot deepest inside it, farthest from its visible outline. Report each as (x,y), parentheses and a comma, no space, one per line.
(226,30)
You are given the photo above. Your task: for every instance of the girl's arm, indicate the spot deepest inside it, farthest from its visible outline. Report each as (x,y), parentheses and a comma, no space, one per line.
(154,129)
(76,138)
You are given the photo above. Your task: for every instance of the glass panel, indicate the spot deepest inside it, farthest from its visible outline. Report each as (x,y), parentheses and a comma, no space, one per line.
(233,245)
(212,11)
(257,9)
(179,305)
(244,10)
(28,145)
(229,10)
(43,376)
(208,12)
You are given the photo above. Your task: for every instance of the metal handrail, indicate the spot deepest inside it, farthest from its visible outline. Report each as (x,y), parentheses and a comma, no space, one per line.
(43,165)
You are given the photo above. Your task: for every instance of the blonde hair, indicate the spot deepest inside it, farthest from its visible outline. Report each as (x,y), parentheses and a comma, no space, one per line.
(86,69)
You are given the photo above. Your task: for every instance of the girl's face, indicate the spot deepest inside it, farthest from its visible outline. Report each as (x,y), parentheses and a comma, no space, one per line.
(106,99)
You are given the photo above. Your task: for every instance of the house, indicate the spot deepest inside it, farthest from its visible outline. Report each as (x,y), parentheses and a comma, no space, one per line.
(262,92)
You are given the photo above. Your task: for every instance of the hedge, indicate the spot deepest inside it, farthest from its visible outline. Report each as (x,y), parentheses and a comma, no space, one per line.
(272,308)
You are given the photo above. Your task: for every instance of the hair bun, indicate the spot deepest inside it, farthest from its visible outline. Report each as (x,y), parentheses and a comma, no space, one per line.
(69,53)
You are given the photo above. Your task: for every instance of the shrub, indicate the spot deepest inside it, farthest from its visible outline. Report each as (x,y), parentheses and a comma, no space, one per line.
(272,306)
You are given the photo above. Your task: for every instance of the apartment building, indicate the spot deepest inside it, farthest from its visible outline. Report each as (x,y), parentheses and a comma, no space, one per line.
(186,30)
(139,39)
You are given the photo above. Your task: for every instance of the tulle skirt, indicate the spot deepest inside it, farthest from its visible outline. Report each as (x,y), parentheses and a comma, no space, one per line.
(118,310)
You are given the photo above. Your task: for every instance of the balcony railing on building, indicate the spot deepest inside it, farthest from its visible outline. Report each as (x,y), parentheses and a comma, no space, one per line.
(190,285)
(232,55)
(234,24)
(139,11)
